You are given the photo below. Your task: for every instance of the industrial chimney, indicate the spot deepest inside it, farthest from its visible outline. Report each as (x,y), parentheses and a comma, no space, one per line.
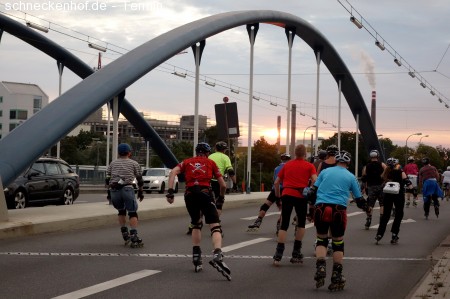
(373,112)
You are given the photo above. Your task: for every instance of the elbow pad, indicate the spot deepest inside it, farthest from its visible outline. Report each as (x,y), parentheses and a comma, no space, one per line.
(231,172)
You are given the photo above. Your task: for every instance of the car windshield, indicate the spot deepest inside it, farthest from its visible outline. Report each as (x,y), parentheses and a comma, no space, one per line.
(154,172)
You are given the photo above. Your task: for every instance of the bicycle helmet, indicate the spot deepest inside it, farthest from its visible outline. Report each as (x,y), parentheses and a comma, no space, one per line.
(343,157)
(425,160)
(448,168)
(332,149)
(392,162)
(411,159)
(374,154)
(285,157)
(322,154)
(123,149)
(221,146)
(203,148)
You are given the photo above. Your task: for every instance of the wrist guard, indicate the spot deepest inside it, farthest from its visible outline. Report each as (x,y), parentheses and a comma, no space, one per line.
(311,196)
(361,203)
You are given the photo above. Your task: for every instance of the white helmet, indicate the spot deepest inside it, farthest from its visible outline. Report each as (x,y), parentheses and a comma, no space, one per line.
(448,168)
(374,154)
(343,157)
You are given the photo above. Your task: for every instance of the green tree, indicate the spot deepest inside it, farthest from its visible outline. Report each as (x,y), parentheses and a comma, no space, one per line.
(430,152)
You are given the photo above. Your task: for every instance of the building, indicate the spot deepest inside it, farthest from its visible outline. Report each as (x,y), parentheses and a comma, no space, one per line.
(19,102)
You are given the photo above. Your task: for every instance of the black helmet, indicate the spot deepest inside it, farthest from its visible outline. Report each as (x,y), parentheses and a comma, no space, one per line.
(344,157)
(392,162)
(426,160)
(374,154)
(203,147)
(332,149)
(322,154)
(221,146)
(285,157)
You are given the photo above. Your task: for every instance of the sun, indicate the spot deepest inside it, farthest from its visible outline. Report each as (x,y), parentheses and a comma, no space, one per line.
(271,135)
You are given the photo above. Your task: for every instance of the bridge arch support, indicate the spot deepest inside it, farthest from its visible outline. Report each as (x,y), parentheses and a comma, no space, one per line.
(94,91)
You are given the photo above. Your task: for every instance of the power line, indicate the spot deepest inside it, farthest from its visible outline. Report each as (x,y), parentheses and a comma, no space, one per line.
(361,22)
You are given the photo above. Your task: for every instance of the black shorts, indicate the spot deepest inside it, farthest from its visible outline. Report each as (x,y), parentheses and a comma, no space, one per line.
(330,217)
(199,201)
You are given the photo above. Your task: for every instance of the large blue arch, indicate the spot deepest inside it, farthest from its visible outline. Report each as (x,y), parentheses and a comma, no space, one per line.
(95,90)
(83,70)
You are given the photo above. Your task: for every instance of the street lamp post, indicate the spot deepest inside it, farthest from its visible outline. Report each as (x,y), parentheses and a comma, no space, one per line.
(406,150)
(260,167)
(420,140)
(304,132)
(382,145)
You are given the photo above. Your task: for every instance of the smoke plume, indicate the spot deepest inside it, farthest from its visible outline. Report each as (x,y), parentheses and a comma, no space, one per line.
(369,68)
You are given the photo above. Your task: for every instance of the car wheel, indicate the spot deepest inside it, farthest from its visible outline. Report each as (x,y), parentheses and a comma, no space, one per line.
(163,187)
(20,199)
(176,188)
(67,197)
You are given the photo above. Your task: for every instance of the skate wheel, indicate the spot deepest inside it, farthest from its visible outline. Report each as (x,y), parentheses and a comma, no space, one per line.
(276,263)
(198,268)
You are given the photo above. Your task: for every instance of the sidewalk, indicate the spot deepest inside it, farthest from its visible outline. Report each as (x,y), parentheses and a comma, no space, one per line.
(32,221)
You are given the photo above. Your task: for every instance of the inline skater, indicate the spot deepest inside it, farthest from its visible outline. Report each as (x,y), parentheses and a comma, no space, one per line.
(295,176)
(330,161)
(330,194)
(271,198)
(446,182)
(412,171)
(322,155)
(120,175)
(373,183)
(199,201)
(428,179)
(393,173)
(223,162)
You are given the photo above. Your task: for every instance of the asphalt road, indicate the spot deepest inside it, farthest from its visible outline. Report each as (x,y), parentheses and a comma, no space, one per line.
(94,262)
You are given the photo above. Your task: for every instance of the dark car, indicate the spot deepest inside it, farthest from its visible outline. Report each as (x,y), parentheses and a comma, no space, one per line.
(48,180)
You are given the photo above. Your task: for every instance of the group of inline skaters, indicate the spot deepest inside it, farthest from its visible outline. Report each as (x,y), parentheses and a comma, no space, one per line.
(328,203)
(318,192)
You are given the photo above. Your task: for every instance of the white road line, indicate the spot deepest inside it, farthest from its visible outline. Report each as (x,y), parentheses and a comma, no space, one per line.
(243,244)
(267,214)
(391,221)
(107,285)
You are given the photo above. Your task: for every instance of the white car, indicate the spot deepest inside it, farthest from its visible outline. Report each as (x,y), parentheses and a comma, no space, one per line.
(157,179)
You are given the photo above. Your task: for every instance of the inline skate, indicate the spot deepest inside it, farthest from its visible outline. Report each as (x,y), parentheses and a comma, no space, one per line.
(255,226)
(125,235)
(136,242)
(321,272)
(278,254)
(197,259)
(219,265)
(337,279)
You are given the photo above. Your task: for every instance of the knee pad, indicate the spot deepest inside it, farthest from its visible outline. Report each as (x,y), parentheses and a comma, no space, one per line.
(197,225)
(122,213)
(264,207)
(216,229)
(132,214)
(322,242)
(338,245)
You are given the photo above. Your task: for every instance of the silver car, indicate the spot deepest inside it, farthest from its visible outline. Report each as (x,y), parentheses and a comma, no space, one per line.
(157,179)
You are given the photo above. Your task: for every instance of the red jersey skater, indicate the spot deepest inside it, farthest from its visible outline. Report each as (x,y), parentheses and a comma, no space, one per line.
(295,176)
(199,200)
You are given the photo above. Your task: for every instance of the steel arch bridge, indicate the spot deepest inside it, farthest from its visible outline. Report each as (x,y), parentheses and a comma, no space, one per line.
(98,88)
